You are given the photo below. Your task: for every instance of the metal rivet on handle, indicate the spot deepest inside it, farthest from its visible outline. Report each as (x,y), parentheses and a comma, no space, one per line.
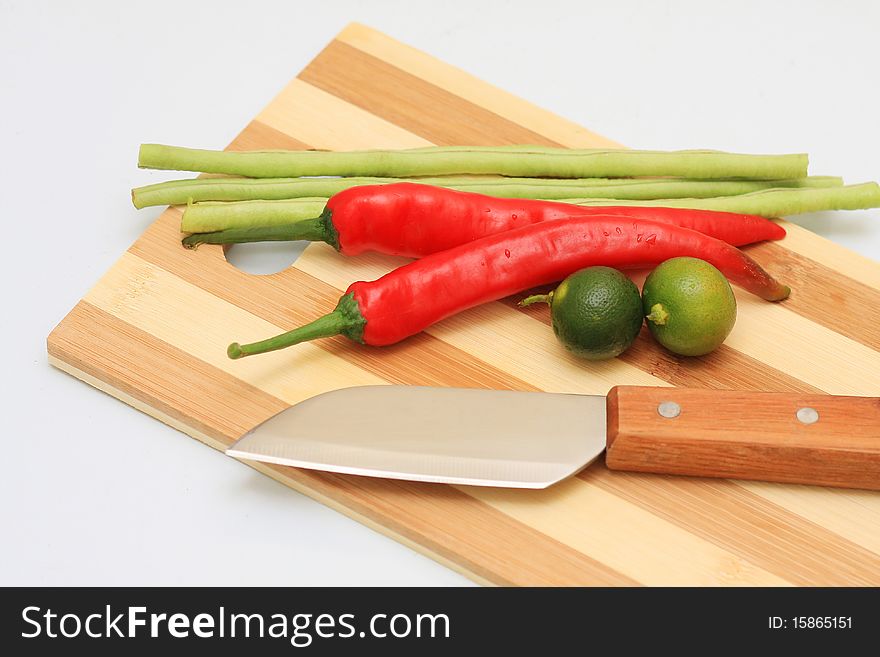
(669,409)
(808,415)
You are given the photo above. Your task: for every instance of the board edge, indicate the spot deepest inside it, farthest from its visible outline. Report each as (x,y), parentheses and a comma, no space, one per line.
(105,387)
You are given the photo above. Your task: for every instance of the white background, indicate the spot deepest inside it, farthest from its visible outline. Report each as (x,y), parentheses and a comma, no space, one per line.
(93,492)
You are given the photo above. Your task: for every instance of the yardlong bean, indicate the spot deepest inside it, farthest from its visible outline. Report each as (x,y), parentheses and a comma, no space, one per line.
(543,162)
(176,192)
(212,216)
(771,202)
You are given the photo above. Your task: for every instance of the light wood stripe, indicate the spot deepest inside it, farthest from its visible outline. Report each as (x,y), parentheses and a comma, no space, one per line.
(853,514)
(626,537)
(333,124)
(422,108)
(472,89)
(768,535)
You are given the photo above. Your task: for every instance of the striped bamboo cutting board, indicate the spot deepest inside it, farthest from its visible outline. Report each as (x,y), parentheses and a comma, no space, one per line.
(153,333)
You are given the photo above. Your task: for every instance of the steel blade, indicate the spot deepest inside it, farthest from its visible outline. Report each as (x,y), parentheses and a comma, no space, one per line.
(448,435)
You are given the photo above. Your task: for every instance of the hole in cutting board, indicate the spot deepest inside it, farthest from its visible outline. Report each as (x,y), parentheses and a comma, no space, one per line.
(263,257)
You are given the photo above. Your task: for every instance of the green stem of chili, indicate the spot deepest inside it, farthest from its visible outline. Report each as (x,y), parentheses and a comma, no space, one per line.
(323,327)
(313,229)
(554,163)
(346,319)
(536,298)
(176,192)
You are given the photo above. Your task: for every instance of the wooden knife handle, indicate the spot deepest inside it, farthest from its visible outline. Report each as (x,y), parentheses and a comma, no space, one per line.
(788,437)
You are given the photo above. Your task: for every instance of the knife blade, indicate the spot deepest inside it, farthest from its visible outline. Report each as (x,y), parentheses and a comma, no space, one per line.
(535,439)
(446,435)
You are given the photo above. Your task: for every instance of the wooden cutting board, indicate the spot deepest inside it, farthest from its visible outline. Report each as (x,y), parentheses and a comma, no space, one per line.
(153,332)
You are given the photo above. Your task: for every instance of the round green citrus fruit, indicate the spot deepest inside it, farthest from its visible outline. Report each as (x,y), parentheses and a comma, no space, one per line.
(596,313)
(689,306)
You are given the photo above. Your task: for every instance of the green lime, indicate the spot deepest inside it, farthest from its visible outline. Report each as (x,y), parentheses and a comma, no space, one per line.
(596,313)
(689,306)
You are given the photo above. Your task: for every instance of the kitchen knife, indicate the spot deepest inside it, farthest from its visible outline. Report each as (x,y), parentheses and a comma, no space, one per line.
(535,439)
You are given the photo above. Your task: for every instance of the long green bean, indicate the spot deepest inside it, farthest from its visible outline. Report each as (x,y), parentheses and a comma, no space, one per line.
(176,192)
(212,216)
(772,202)
(555,163)
(193,190)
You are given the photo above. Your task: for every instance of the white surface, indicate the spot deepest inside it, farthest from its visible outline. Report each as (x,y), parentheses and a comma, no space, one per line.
(94,492)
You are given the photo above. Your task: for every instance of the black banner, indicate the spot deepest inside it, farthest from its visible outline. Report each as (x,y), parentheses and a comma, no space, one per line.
(433,621)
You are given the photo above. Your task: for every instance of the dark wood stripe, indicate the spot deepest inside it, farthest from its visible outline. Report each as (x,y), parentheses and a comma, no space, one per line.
(292,298)
(258,135)
(409,102)
(160,375)
(443,519)
(724,368)
(823,295)
(748,525)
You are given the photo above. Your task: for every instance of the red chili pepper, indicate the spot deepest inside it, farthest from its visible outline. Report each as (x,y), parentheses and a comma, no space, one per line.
(420,293)
(414,220)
